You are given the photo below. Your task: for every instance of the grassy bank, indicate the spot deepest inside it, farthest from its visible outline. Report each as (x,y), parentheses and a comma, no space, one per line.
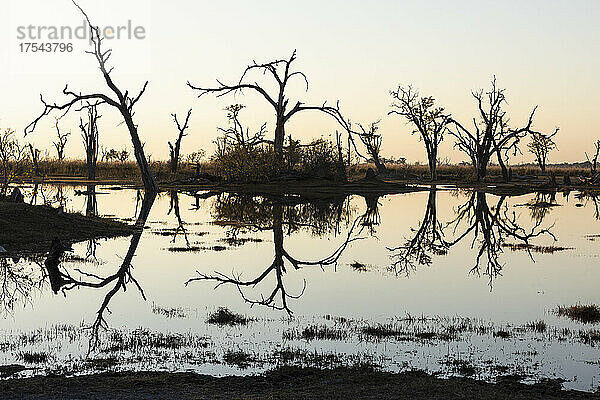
(31,229)
(129,171)
(283,383)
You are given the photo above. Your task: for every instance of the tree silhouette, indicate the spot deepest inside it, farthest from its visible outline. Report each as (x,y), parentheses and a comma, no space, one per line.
(122,101)
(282,72)
(429,121)
(491,134)
(174,149)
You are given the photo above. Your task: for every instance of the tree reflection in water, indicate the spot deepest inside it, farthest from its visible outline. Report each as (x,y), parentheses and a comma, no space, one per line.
(64,281)
(489,227)
(285,215)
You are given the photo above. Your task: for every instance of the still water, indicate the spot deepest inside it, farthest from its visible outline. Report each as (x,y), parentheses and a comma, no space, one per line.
(469,281)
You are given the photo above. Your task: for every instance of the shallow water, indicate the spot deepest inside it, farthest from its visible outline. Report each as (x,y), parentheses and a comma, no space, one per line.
(289,263)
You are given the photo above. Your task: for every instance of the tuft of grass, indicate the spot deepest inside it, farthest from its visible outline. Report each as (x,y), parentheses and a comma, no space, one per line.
(585,313)
(537,326)
(380,331)
(168,312)
(33,357)
(360,267)
(317,332)
(239,358)
(502,334)
(223,316)
(591,337)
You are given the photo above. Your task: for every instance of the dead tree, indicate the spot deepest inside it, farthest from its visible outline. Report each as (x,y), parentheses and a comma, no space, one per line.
(235,133)
(12,157)
(429,121)
(282,72)
(90,136)
(174,149)
(122,101)
(282,216)
(594,161)
(491,227)
(428,240)
(174,206)
(372,142)
(35,159)
(540,145)
(61,141)
(369,137)
(119,281)
(490,134)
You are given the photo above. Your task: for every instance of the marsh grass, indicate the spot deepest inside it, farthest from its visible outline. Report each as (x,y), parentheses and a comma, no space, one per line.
(239,358)
(535,248)
(172,312)
(502,334)
(195,249)
(591,337)
(236,242)
(537,326)
(223,316)
(585,313)
(462,367)
(317,332)
(33,357)
(140,340)
(301,357)
(360,267)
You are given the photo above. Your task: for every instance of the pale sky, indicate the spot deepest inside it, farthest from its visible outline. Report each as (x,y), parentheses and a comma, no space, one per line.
(544,53)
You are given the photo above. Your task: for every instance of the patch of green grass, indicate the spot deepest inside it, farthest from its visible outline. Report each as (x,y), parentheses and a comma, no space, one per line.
(585,313)
(223,316)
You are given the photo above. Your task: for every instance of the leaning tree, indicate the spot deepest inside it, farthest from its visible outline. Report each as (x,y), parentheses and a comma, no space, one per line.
(491,134)
(174,149)
(429,121)
(121,100)
(282,72)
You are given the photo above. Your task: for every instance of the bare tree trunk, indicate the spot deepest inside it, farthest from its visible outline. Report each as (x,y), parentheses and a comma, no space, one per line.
(34,158)
(502,165)
(433,164)
(279,139)
(138,150)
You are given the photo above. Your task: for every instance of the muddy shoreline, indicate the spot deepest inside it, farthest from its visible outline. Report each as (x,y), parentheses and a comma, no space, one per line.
(282,383)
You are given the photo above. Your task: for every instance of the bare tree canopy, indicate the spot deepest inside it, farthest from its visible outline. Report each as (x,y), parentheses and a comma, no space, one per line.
(123,101)
(13,156)
(282,72)
(61,140)
(429,121)
(174,149)
(491,133)
(540,146)
(236,134)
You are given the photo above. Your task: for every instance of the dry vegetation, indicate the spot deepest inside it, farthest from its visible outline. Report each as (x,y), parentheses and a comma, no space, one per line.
(585,313)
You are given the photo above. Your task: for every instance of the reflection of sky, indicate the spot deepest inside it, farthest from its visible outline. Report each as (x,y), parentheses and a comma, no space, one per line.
(526,290)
